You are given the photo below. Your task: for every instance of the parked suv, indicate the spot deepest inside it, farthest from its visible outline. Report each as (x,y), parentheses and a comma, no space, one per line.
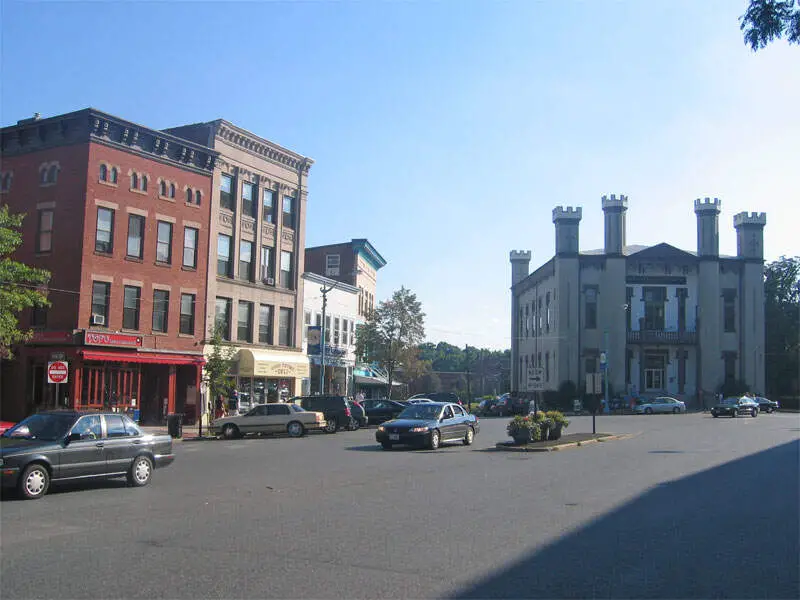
(337,410)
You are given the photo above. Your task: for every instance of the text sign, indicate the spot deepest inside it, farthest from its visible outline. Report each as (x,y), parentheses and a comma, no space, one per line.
(594,383)
(535,378)
(112,339)
(57,372)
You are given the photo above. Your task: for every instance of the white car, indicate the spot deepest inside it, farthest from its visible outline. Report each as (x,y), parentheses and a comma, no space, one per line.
(662,404)
(269,418)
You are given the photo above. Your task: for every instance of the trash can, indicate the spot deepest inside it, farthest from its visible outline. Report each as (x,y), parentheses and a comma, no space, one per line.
(137,415)
(175,424)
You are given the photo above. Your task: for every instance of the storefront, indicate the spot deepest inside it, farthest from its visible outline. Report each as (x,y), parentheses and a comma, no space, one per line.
(262,376)
(338,372)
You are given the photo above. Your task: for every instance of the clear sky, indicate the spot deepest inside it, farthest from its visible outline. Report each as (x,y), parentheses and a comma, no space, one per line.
(445,132)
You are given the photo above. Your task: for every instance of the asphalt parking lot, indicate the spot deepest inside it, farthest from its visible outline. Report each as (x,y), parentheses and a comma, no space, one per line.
(689,507)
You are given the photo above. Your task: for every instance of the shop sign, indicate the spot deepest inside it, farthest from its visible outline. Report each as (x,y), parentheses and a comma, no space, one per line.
(280,369)
(94,338)
(51,337)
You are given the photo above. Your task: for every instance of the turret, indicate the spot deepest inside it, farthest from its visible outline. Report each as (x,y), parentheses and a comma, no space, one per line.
(707,212)
(615,209)
(750,235)
(520,265)
(567,220)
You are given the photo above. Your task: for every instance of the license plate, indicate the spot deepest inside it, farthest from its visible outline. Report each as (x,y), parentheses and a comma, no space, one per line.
(394,437)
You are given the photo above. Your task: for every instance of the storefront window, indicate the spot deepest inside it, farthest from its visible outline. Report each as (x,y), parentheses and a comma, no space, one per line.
(259,390)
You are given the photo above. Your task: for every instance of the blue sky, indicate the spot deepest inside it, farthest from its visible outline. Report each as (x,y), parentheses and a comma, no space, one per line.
(446,132)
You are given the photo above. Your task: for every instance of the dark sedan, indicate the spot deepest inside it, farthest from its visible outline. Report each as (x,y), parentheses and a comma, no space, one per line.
(766,405)
(65,445)
(733,407)
(378,411)
(429,424)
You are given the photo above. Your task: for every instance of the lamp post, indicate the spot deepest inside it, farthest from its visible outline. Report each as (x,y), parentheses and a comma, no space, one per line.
(324,291)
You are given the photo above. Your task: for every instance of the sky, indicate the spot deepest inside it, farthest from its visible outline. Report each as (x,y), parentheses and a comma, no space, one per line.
(446,131)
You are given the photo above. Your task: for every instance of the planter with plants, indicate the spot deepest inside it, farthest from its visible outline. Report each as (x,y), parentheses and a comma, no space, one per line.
(559,423)
(524,429)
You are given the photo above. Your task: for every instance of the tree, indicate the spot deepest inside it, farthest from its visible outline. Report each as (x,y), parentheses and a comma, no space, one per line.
(782,326)
(218,365)
(768,20)
(19,284)
(391,333)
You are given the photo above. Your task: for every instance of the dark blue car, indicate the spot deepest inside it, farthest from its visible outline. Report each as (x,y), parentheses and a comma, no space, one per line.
(429,425)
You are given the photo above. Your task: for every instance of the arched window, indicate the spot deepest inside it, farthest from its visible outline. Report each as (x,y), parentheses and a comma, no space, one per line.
(197,197)
(113,174)
(171,190)
(163,188)
(43,175)
(134,181)
(52,173)
(144,183)
(189,195)
(103,172)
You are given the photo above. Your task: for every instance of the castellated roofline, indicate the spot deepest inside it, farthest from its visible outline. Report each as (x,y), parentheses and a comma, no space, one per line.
(567,213)
(615,202)
(520,255)
(745,218)
(707,205)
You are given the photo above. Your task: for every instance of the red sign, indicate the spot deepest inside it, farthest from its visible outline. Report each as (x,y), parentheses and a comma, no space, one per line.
(57,372)
(93,338)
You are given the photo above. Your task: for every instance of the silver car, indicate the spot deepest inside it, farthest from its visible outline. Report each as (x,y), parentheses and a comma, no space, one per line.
(662,404)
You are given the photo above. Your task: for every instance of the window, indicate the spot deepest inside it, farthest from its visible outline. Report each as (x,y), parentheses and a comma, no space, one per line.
(654,308)
(547,366)
(44,236)
(224,255)
(306,323)
(39,316)
(265,324)
(681,293)
(285,327)
(729,310)
(101,297)
(187,314)
(144,183)
(49,174)
(266,264)
(222,318)
(246,260)
(188,195)
(268,206)
(197,197)
(171,190)
(336,323)
(164,243)
(114,175)
(345,329)
(547,308)
(104,238)
(332,262)
(590,365)
(89,427)
(115,427)
(244,332)
(103,173)
(352,334)
(5,182)
(729,359)
(160,310)
(628,307)
(226,192)
(162,188)
(130,307)
(190,235)
(628,365)
(248,201)
(288,212)
(654,371)
(135,236)
(286,270)
(278,409)
(591,309)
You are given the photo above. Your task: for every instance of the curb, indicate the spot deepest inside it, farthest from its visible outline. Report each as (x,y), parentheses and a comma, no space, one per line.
(607,437)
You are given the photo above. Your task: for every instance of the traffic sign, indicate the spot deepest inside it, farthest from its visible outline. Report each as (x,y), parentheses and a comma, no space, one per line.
(535,378)
(594,383)
(57,371)
(603,360)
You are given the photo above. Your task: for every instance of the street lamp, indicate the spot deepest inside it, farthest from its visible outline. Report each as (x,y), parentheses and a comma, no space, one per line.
(324,291)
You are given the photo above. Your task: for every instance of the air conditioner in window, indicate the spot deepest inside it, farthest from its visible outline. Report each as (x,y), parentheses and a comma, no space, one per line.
(269,280)
(98,319)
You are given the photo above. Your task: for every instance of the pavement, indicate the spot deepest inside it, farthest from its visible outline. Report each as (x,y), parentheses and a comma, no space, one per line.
(689,507)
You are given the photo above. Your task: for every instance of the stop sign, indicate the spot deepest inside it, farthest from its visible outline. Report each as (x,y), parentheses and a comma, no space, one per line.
(57,371)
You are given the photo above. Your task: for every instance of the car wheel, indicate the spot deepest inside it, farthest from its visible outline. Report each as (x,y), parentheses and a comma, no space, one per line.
(386,445)
(715,415)
(734,414)
(755,413)
(676,411)
(295,429)
(468,439)
(140,472)
(648,411)
(331,425)
(230,431)
(433,442)
(354,424)
(34,482)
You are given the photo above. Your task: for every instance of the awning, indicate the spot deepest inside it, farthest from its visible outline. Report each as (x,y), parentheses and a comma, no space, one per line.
(364,380)
(157,358)
(263,363)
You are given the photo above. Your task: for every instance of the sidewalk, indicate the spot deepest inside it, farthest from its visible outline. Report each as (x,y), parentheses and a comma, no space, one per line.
(190,433)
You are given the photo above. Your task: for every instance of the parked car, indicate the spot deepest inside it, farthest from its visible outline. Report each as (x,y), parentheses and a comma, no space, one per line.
(419,401)
(661,404)
(733,407)
(337,410)
(485,406)
(439,397)
(518,406)
(379,411)
(269,418)
(360,418)
(502,406)
(766,405)
(56,446)
(429,424)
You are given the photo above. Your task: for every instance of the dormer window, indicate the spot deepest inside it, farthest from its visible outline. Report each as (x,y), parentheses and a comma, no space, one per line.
(48,173)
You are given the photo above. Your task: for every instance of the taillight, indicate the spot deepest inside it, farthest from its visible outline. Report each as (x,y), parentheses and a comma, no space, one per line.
(346,411)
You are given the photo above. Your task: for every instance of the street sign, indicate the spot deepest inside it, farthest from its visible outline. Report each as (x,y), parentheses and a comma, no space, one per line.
(58,356)
(603,360)
(535,378)
(57,371)
(594,383)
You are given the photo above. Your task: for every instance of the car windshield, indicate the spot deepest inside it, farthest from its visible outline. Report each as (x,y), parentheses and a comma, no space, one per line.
(48,427)
(730,401)
(421,412)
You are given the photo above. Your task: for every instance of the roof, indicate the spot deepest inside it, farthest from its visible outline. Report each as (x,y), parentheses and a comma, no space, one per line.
(661,250)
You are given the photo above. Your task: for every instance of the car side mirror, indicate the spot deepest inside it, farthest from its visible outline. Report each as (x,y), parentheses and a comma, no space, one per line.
(73,437)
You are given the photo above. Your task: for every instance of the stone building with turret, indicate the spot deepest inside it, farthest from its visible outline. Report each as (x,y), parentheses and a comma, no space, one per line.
(667,321)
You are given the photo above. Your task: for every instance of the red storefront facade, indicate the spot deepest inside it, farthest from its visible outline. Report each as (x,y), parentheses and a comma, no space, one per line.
(119,215)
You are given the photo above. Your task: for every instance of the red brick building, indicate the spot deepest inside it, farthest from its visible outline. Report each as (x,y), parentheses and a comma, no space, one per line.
(119,215)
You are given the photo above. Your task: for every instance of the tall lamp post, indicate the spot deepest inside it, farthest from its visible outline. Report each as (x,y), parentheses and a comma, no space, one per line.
(324,291)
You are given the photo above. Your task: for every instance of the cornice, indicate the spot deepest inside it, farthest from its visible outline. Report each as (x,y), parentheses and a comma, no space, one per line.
(340,285)
(264,149)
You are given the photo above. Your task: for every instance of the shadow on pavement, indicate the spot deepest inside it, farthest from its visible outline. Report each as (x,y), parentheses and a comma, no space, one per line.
(727,532)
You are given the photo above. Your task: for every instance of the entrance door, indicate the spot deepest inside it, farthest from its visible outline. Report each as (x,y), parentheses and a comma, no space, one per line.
(654,370)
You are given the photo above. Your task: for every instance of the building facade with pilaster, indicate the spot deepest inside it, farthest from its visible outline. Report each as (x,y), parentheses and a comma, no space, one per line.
(667,321)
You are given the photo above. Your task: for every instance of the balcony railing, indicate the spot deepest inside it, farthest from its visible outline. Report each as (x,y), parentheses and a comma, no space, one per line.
(659,336)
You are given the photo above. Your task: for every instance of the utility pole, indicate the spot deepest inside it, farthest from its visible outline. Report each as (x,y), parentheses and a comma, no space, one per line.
(324,291)
(604,365)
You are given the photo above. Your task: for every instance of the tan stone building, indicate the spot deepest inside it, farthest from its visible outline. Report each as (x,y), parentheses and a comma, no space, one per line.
(256,258)
(666,321)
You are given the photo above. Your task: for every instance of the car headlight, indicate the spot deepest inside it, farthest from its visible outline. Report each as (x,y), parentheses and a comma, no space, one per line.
(381,428)
(419,429)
